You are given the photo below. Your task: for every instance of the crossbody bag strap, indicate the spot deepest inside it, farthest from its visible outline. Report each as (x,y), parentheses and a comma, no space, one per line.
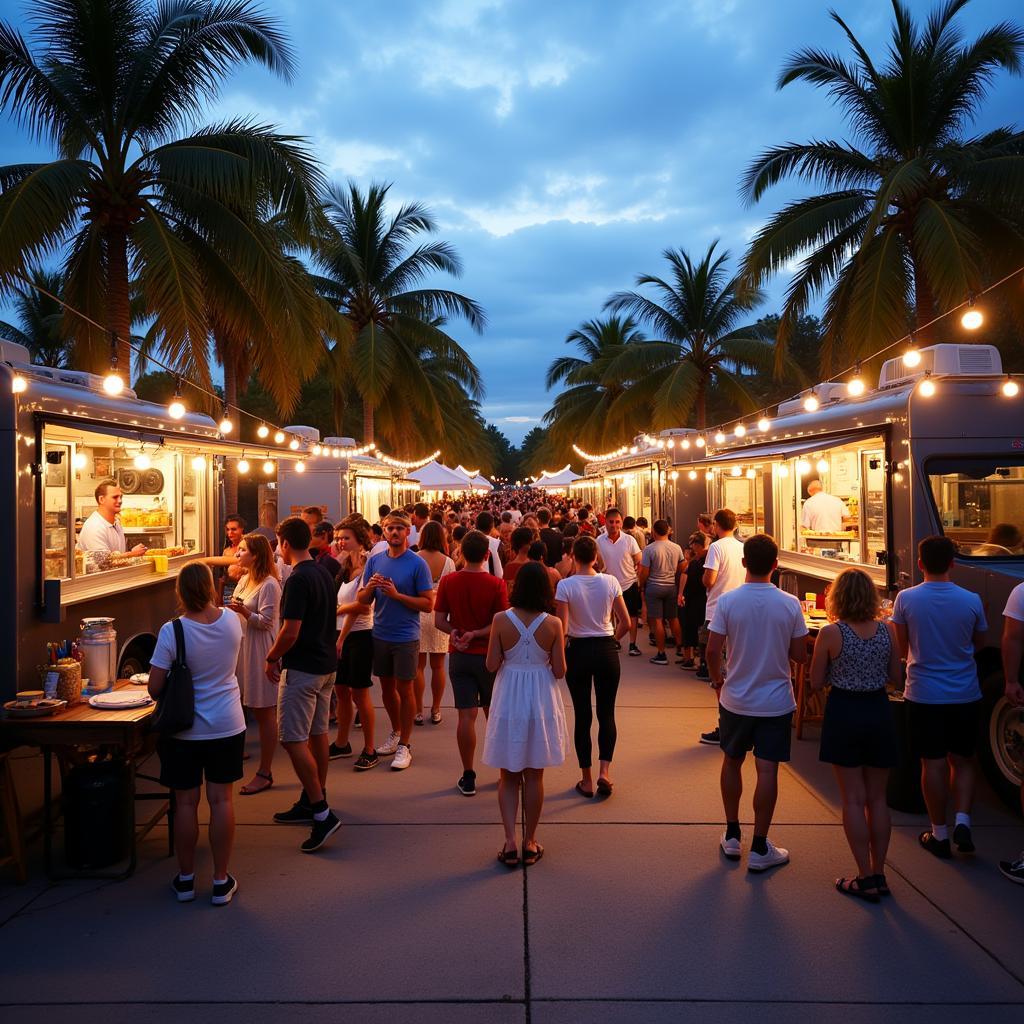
(179,641)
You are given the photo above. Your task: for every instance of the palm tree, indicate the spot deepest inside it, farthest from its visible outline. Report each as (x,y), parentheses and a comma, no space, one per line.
(596,405)
(128,203)
(39,320)
(916,212)
(370,271)
(703,343)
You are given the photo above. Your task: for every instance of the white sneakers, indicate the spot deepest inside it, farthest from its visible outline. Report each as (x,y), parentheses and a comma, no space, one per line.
(402,758)
(730,847)
(390,745)
(775,856)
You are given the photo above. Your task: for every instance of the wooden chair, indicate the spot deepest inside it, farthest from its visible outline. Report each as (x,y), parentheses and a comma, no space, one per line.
(12,821)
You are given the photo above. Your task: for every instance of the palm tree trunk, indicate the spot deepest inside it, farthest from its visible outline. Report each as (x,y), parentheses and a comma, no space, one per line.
(702,408)
(925,309)
(367,421)
(231,397)
(119,318)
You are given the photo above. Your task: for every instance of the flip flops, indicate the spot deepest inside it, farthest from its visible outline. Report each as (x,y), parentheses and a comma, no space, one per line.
(588,794)
(862,888)
(530,857)
(246,791)
(604,787)
(510,858)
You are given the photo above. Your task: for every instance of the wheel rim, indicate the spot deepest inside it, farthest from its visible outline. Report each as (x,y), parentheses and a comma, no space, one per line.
(1006,739)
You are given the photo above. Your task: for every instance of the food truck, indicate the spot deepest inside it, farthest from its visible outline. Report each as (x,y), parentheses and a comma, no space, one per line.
(936,448)
(61,434)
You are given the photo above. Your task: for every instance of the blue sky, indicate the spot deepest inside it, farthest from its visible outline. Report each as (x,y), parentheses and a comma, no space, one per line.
(562,146)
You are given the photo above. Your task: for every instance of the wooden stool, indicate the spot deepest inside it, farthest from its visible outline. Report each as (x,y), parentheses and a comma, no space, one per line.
(12,821)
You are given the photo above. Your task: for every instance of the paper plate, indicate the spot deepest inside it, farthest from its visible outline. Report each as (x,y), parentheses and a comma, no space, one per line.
(33,709)
(121,699)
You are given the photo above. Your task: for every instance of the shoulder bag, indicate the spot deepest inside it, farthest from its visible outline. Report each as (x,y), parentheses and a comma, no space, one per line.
(176,705)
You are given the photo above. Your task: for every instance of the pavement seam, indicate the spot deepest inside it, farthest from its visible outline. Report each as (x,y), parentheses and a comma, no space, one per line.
(456,1001)
(527,981)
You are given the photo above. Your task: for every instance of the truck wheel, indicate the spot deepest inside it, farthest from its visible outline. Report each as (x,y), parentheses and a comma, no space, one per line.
(1002,741)
(136,655)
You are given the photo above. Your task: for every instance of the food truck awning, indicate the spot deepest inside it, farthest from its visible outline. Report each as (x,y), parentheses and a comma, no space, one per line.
(785,450)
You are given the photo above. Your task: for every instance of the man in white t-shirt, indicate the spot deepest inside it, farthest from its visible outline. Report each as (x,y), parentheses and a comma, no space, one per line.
(102,531)
(420,517)
(723,572)
(822,512)
(764,629)
(1013,657)
(620,554)
(485,524)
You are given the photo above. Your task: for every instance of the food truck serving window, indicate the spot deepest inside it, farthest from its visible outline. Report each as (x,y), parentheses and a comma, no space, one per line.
(151,503)
(830,502)
(980,504)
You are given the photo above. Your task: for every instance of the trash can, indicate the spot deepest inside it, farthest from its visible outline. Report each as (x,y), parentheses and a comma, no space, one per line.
(903,792)
(97,814)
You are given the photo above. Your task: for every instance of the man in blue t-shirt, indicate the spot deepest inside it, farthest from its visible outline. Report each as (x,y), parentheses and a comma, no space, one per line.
(939,627)
(397,582)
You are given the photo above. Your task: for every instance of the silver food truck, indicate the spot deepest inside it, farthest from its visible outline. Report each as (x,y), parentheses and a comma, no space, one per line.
(937,448)
(60,435)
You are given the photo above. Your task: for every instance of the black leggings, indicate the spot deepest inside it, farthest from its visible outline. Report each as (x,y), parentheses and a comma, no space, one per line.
(593,659)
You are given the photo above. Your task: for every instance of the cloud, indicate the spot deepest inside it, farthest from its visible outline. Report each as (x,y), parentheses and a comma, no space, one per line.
(519,419)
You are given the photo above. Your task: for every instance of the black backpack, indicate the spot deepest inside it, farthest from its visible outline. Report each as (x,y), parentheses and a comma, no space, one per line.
(176,705)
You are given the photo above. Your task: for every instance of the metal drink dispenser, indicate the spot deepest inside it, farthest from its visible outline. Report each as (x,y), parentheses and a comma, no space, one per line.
(98,645)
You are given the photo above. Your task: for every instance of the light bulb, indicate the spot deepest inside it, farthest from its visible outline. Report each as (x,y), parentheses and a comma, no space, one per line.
(279,437)
(336,452)
(764,424)
(661,444)
(972,319)
(740,430)
(262,430)
(751,474)
(911,358)
(113,383)
(719,438)
(300,467)
(671,442)
(685,443)
(18,384)
(141,461)
(736,471)
(927,387)
(268,467)
(225,425)
(674,475)
(811,402)
(78,460)
(176,409)
(243,466)
(783,471)
(856,387)
(294,444)
(1010,388)
(803,467)
(821,466)
(692,474)
(199,463)
(709,475)
(318,449)
(633,450)
(700,442)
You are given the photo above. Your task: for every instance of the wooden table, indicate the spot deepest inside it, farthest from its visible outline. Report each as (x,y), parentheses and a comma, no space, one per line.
(126,731)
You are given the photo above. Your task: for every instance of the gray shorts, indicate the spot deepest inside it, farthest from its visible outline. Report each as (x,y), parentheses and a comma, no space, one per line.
(661,600)
(303,705)
(395,660)
(472,684)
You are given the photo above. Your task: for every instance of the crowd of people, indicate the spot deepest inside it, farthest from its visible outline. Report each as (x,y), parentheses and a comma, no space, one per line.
(501,597)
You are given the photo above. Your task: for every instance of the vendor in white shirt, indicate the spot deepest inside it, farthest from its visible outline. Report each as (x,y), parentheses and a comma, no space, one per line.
(822,512)
(102,531)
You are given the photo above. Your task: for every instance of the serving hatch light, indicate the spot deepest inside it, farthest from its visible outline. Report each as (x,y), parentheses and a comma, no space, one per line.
(300,467)
(803,467)
(78,460)
(751,474)
(268,467)
(783,471)
(199,463)
(142,461)
(736,471)
(243,466)
(822,466)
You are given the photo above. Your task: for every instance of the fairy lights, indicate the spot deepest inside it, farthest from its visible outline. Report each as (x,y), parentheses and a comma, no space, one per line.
(399,464)
(1010,387)
(606,457)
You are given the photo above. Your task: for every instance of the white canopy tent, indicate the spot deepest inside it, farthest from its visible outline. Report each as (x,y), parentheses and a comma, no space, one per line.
(474,481)
(559,481)
(435,477)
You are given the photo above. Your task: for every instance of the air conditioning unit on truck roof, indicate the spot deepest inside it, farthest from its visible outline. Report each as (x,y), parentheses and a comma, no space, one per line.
(944,361)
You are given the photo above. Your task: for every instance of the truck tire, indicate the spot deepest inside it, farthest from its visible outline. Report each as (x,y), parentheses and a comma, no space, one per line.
(1001,743)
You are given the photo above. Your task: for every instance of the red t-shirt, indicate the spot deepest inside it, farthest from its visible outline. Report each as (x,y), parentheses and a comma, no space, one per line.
(471,600)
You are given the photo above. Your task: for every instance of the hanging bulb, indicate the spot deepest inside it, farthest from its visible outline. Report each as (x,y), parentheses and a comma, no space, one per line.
(225,425)
(199,463)
(783,471)
(78,461)
(973,318)
(719,438)
(142,461)
(912,357)
(803,467)
(336,452)
(1010,387)
(811,402)
(176,409)
(268,467)
(262,430)
(692,475)
(685,443)
(736,471)
(113,383)
(294,444)
(855,386)
(740,430)
(822,466)
(18,384)
(318,449)
(300,467)
(751,474)
(709,475)
(279,437)
(674,475)
(243,466)
(671,442)
(927,386)
(764,424)
(700,442)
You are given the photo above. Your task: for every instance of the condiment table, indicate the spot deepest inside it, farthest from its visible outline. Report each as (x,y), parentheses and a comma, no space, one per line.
(126,731)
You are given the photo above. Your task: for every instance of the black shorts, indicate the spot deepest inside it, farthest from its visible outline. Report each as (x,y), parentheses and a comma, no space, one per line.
(859,730)
(634,602)
(472,684)
(769,737)
(184,763)
(356,662)
(937,730)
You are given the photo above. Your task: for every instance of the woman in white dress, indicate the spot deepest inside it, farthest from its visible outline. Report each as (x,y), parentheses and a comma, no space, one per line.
(526,730)
(256,601)
(433,549)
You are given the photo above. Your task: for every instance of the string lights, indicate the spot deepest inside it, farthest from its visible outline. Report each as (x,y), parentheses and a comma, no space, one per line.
(399,464)
(606,457)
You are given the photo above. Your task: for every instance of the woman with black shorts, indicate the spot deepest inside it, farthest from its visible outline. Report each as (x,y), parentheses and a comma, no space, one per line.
(355,646)
(858,655)
(212,748)
(693,601)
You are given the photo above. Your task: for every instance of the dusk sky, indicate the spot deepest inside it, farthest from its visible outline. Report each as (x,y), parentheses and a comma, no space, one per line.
(562,146)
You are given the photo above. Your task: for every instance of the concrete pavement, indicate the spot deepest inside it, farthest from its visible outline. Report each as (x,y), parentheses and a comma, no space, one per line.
(632,915)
